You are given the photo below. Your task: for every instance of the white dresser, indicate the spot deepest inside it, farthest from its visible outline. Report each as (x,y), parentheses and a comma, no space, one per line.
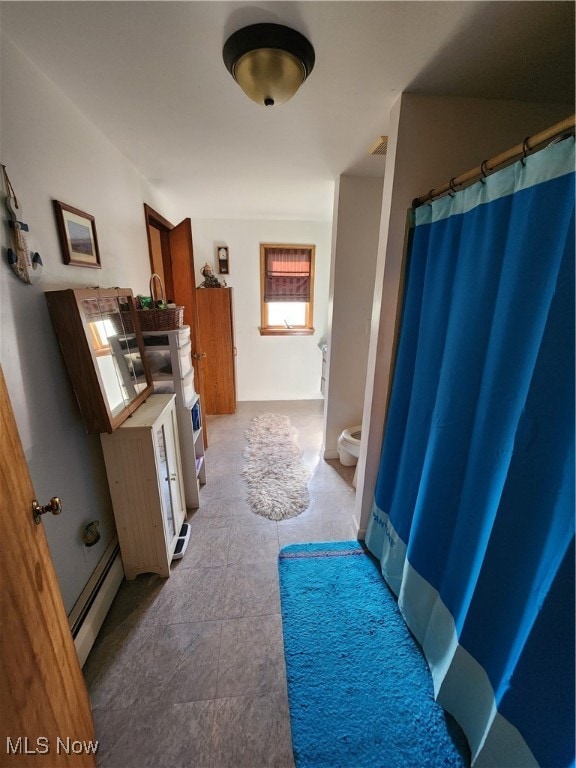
(145,477)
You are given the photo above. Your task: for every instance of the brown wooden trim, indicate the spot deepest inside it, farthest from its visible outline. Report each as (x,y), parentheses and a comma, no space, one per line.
(310,307)
(263,310)
(286,331)
(270,330)
(156,219)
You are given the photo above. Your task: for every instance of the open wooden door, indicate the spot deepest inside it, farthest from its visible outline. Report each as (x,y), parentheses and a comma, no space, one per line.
(183,285)
(45,716)
(172,256)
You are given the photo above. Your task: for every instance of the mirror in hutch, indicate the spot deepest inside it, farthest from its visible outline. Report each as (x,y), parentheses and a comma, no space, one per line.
(100,339)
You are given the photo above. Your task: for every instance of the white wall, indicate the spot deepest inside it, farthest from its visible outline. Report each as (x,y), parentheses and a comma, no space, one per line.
(431,140)
(357,210)
(51,151)
(267,367)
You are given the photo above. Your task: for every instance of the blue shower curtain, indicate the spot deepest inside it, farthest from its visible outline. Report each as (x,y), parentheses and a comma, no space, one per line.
(473,515)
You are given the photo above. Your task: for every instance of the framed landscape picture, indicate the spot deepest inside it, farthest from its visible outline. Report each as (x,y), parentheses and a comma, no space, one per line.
(77,233)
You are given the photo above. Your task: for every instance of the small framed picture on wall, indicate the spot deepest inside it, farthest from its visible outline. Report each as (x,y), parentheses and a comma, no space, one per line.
(223,264)
(77,233)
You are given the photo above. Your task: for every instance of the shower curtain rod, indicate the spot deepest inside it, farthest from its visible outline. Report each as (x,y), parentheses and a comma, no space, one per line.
(565,127)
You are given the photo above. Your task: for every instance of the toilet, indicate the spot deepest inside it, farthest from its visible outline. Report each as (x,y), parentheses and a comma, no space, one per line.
(349,446)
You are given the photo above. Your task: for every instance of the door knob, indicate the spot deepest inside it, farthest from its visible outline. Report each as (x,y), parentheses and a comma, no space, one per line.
(199,355)
(54,506)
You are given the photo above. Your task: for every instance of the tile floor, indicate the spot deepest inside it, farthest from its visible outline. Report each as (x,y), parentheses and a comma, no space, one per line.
(188,672)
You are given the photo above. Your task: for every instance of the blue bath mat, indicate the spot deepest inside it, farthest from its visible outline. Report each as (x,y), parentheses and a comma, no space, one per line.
(360,691)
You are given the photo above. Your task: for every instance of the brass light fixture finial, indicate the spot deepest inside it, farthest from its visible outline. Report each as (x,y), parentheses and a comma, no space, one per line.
(268,61)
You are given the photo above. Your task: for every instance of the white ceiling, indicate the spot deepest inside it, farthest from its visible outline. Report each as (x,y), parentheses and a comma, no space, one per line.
(150,75)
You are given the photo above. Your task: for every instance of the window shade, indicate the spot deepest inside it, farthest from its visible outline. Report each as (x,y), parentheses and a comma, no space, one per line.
(287,274)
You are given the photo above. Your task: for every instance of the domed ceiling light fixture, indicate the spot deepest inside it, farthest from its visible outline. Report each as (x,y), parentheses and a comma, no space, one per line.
(268,61)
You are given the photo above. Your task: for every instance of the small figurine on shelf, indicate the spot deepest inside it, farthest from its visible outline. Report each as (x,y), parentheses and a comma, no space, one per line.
(210,279)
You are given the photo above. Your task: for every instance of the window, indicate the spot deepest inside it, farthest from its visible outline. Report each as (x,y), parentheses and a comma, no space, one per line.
(286,289)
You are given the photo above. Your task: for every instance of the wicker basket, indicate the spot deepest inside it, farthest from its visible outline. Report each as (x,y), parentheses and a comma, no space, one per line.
(155,319)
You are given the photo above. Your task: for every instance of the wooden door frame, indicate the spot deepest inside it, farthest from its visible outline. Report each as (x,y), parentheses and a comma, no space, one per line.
(155,219)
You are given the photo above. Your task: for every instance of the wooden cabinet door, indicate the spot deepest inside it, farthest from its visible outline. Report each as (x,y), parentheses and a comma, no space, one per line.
(45,716)
(216,333)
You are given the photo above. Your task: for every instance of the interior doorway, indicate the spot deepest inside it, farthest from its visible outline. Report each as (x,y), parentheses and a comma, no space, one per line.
(172,257)
(157,231)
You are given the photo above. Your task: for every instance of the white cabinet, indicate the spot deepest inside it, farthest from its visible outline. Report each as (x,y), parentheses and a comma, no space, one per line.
(169,358)
(168,354)
(146,485)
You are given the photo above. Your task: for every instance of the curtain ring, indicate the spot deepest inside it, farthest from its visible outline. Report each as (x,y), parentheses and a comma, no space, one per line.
(483,171)
(452,187)
(525,149)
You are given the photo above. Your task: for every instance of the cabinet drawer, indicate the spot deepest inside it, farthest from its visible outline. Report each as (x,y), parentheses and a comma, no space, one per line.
(164,364)
(183,388)
(184,335)
(188,391)
(181,336)
(185,360)
(159,362)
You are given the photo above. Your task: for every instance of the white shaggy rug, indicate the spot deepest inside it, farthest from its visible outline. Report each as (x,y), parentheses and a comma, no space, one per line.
(277,478)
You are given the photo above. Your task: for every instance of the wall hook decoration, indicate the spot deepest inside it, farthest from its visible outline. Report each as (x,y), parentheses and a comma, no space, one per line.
(26,263)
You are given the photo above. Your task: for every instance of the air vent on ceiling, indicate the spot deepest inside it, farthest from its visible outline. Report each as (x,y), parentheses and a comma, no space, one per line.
(380,147)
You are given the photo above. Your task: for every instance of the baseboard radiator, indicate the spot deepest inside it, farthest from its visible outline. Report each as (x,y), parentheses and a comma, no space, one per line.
(94,602)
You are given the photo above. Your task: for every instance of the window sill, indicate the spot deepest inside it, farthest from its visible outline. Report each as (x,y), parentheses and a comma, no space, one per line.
(286,331)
